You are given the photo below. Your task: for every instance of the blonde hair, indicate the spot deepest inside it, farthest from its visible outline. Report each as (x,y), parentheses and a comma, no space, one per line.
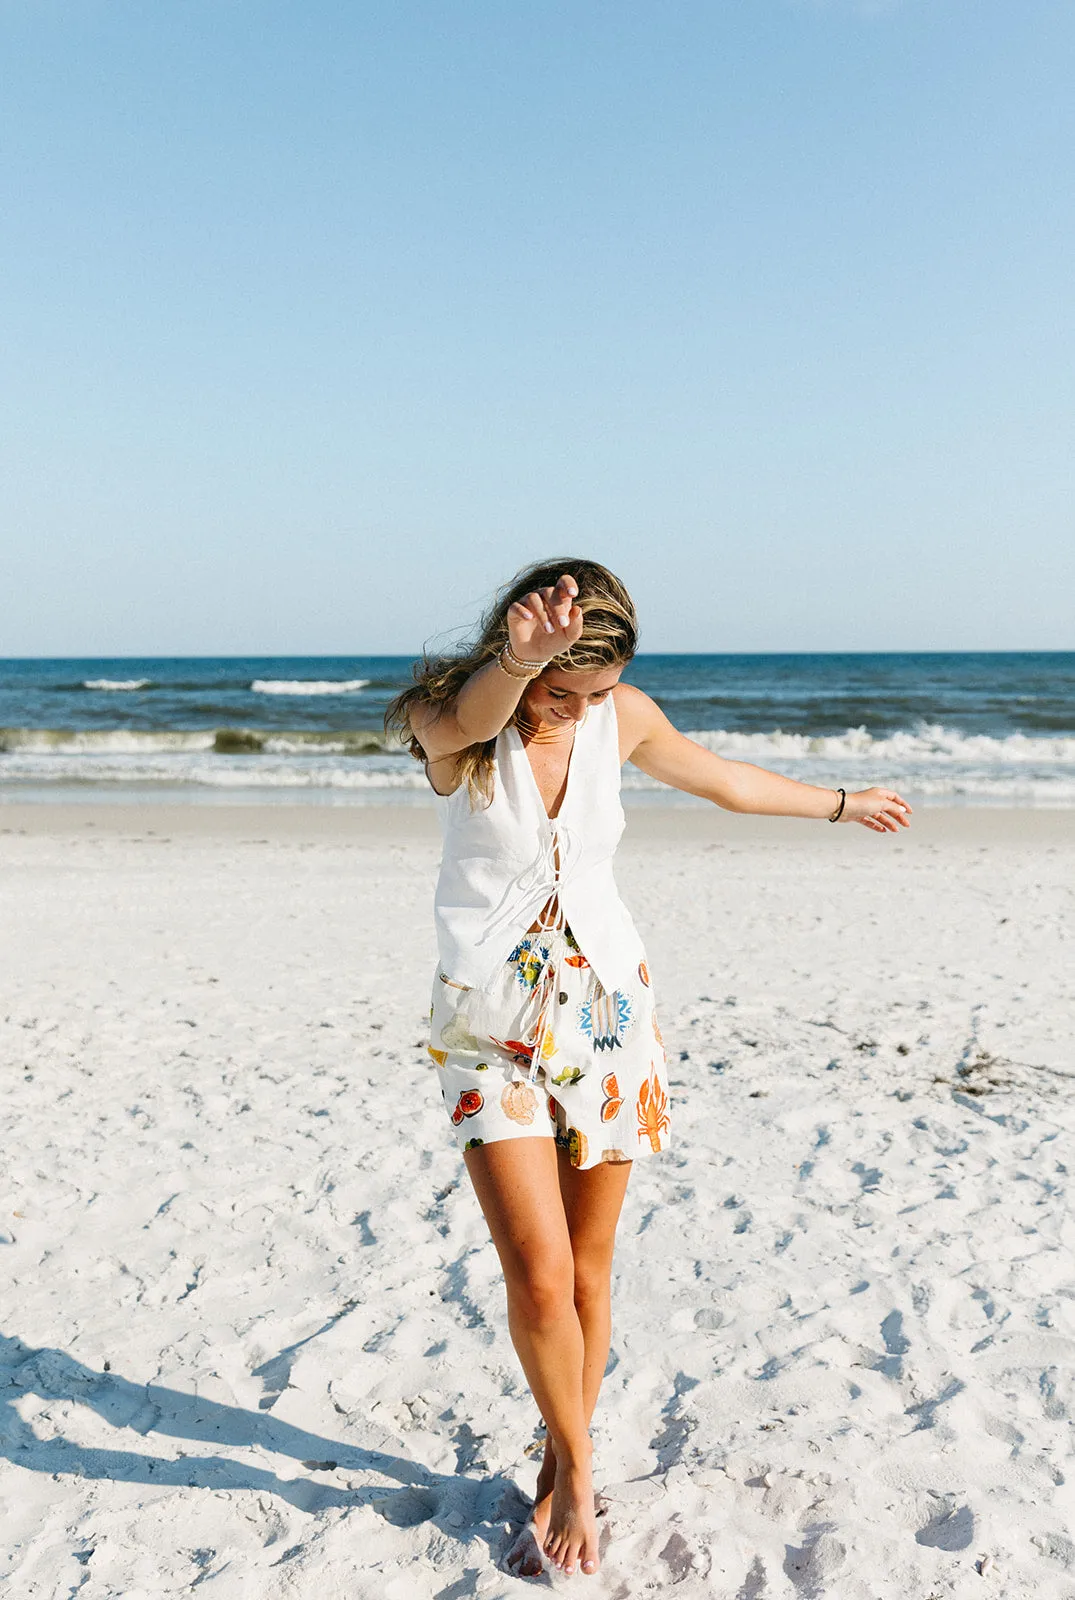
(609,638)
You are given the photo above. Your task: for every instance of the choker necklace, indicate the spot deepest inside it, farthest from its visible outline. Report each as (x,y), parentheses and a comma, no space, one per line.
(539,732)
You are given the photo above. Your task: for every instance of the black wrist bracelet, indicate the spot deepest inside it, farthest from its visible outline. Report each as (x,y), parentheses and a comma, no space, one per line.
(838,813)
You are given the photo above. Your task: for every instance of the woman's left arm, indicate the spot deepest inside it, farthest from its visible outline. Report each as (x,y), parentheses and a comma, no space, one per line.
(650,741)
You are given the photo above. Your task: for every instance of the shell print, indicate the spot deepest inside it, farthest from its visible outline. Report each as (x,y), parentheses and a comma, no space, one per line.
(543,1048)
(519,1102)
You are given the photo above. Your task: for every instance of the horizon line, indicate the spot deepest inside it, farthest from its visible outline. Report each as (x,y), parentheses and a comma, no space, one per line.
(403,655)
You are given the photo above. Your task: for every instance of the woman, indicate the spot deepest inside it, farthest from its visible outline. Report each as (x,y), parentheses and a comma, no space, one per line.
(544,1035)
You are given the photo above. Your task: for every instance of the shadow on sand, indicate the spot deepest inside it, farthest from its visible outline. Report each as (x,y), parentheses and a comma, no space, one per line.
(149,1409)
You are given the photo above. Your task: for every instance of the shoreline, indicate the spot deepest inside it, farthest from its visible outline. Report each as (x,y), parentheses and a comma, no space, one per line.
(697,825)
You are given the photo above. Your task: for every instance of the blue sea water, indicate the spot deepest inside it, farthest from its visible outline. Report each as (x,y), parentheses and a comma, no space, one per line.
(944,728)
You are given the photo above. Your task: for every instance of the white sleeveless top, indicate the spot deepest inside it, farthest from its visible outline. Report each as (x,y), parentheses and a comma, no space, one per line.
(499,865)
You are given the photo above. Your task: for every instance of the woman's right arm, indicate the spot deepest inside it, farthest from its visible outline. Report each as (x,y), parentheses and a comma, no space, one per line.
(540,627)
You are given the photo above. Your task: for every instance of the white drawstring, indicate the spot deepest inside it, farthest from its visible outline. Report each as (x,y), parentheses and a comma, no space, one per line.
(557,858)
(552,943)
(546,984)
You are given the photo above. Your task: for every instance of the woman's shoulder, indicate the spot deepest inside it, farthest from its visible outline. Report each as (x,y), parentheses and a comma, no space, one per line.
(630,695)
(637,717)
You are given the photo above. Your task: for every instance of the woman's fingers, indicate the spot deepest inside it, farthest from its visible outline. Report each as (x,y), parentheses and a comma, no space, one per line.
(894,811)
(543,612)
(562,597)
(891,813)
(558,604)
(882,810)
(537,602)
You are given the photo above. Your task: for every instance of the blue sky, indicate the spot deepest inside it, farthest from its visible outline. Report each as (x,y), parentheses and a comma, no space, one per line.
(321,320)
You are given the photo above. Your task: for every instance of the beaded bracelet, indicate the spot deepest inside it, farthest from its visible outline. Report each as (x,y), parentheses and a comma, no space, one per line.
(838,813)
(536,666)
(529,669)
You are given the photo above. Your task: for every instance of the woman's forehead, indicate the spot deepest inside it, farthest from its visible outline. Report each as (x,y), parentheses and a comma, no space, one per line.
(581,682)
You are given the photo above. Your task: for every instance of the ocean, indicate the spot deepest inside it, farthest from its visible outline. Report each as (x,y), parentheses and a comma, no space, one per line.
(944,729)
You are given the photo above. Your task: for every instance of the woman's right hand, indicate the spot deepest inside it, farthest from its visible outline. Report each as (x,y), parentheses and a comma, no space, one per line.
(546,622)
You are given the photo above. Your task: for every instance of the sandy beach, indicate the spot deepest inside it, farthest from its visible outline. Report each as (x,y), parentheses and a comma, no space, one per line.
(254,1336)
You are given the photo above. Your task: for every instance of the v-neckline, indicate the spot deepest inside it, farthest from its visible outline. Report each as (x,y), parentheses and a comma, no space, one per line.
(567,781)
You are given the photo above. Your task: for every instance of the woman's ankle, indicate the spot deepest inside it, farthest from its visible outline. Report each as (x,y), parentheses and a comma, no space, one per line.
(575,1455)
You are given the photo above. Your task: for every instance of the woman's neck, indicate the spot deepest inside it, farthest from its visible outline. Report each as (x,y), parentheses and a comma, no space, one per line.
(541,732)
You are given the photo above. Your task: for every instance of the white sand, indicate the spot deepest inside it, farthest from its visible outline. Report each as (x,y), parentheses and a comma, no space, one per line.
(254,1330)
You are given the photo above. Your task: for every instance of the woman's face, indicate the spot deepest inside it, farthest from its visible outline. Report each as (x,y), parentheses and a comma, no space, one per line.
(558,698)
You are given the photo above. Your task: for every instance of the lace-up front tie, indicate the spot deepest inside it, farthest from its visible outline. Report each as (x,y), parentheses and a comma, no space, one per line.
(552,944)
(508,867)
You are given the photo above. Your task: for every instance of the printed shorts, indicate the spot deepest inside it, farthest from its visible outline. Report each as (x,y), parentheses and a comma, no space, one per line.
(545,1051)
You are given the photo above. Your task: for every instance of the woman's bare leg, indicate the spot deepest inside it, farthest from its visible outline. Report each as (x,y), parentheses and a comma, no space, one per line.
(592,1203)
(518,1187)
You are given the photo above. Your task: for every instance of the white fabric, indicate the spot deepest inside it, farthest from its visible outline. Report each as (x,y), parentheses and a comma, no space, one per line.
(499,865)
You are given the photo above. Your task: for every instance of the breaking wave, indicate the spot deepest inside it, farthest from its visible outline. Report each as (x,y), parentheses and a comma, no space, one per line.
(931,762)
(930,743)
(308,685)
(170,741)
(117,683)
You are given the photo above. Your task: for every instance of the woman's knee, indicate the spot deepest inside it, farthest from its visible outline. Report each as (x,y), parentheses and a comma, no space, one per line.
(541,1286)
(592,1280)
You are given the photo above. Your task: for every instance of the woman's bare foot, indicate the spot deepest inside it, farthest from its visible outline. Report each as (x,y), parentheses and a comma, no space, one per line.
(523,1557)
(547,1477)
(572,1535)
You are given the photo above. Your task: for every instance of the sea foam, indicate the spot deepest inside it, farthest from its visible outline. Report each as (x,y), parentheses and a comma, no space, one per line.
(308,685)
(928,742)
(115,684)
(930,762)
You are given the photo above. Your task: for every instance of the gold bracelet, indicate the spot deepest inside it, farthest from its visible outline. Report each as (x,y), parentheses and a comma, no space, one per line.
(530,666)
(519,677)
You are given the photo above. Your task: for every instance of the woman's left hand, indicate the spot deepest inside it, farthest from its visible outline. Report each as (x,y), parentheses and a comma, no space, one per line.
(880,809)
